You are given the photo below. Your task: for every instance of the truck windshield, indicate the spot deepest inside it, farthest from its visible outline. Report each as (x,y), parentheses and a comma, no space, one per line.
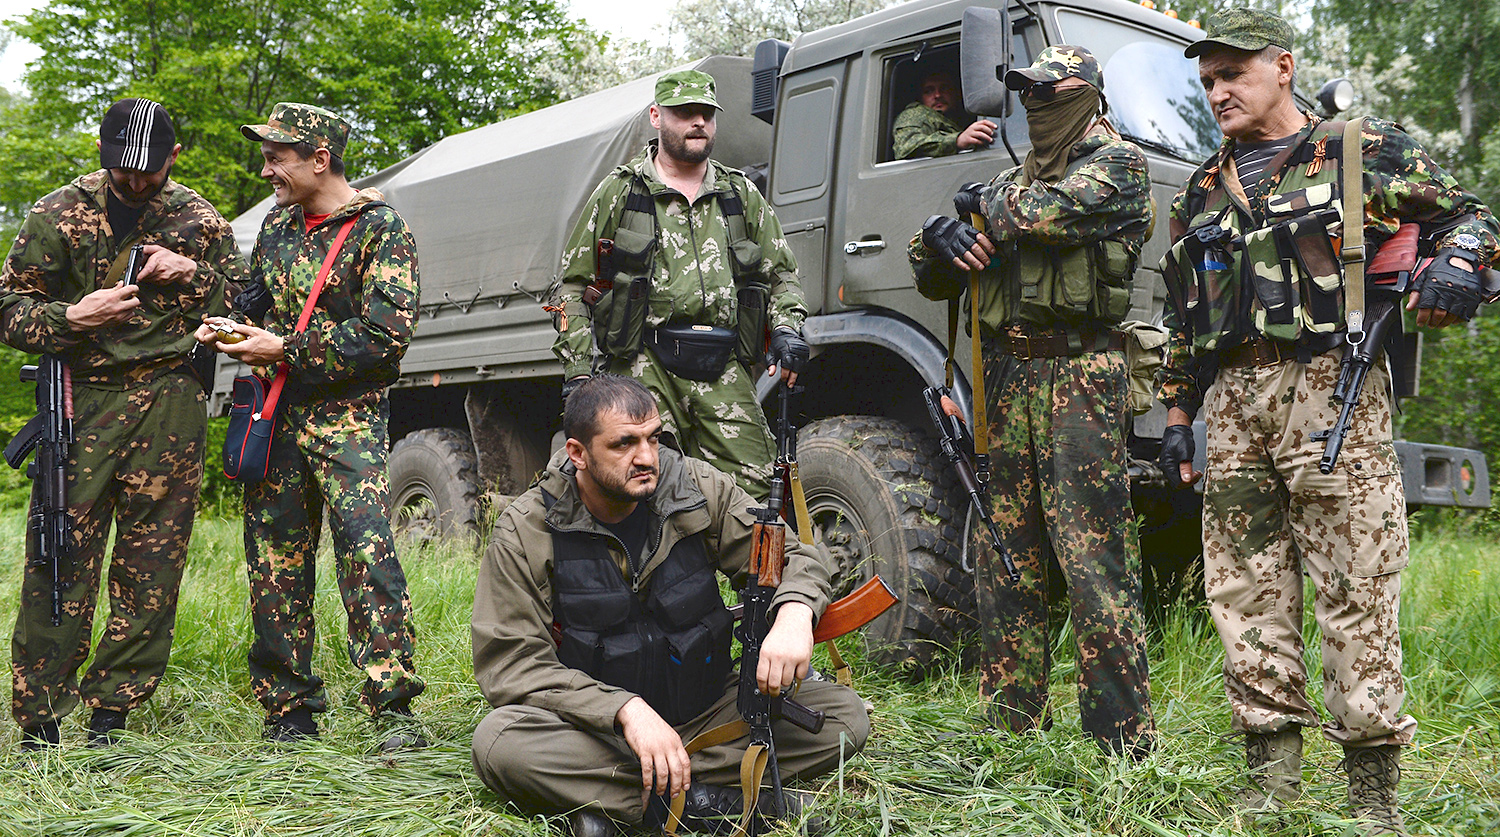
(1154,95)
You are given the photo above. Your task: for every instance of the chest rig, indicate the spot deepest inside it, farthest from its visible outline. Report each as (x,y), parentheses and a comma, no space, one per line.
(670,646)
(1241,273)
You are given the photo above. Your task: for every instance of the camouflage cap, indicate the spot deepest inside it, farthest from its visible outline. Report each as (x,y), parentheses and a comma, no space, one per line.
(686,87)
(292,122)
(1057,63)
(1248,29)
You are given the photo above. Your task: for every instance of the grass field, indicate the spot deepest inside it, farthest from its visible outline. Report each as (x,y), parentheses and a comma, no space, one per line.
(193,762)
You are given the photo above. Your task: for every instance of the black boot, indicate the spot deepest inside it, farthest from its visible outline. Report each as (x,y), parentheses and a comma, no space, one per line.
(400,729)
(590,824)
(103,726)
(293,726)
(45,734)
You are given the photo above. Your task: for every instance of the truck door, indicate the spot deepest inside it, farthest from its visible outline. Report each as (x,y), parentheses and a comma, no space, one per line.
(801,184)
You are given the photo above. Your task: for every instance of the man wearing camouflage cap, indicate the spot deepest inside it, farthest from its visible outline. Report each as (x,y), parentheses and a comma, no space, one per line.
(674,273)
(1271,201)
(329,448)
(138,414)
(929,127)
(1061,237)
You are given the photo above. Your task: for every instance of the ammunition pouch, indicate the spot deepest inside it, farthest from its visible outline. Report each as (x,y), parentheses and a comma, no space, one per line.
(1086,286)
(694,352)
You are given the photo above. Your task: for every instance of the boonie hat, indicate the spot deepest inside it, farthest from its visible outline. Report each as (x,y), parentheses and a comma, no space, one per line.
(136,134)
(293,122)
(1248,29)
(686,87)
(1057,63)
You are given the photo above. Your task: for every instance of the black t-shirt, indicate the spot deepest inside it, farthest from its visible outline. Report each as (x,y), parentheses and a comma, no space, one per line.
(633,532)
(122,218)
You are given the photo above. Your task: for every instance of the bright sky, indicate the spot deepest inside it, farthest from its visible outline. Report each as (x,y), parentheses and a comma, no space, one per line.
(640,20)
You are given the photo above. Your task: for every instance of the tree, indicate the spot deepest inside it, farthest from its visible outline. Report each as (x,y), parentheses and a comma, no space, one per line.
(406,73)
(734,27)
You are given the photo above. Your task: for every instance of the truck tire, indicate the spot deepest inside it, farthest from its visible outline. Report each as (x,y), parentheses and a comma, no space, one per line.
(434,484)
(880,498)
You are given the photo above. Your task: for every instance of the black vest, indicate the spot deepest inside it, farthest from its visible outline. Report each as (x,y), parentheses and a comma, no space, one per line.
(670,647)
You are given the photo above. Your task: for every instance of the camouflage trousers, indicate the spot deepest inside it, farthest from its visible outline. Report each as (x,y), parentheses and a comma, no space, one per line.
(1060,492)
(719,422)
(1270,517)
(327,453)
(137,463)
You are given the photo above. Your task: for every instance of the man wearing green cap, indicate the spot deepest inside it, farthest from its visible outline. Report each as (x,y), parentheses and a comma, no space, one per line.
(674,274)
(928,127)
(1061,237)
(1267,288)
(329,447)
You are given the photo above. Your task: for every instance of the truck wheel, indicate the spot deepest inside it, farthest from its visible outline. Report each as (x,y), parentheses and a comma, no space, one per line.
(434,484)
(878,492)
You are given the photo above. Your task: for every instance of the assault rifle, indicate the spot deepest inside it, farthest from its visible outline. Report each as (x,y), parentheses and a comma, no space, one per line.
(767,561)
(958,445)
(49,432)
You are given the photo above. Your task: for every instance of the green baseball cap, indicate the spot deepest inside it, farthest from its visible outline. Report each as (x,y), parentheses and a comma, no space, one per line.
(686,87)
(1251,30)
(1057,63)
(293,122)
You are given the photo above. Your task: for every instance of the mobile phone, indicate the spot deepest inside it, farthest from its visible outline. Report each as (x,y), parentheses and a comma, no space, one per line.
(133,266)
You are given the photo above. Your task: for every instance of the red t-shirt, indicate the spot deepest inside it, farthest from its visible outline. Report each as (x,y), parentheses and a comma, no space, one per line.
(314,220)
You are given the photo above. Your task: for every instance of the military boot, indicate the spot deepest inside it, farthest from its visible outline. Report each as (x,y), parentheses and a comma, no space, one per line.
(590,824)
(1373,775)
(104,725)
(45,734)
(1275,760)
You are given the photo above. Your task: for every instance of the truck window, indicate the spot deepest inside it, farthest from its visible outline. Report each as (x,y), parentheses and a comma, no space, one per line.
(905,75)
(1155,99)
(806,123)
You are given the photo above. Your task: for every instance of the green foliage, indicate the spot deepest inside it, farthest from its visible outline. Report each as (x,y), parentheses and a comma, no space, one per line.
(192,762)
(405,72)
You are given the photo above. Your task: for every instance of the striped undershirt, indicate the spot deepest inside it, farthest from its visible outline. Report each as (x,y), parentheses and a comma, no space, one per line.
(1252,158)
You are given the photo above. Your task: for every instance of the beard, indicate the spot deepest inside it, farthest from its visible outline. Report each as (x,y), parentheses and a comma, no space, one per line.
(132,198)
(624,488)
(676,146)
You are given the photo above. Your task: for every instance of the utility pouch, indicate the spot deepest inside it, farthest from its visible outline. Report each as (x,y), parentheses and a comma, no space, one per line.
(1145,352)
(627,306)
(744,259)
(751,300)
(1275,307)
(1210,286)
(1307,242)
(1114,268)
(694,352)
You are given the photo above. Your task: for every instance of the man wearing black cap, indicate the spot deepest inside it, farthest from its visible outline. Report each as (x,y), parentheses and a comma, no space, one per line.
(1268,285)
(329,448)
(138,413)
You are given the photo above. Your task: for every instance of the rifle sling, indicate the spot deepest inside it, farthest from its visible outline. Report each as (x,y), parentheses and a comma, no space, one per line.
(981,420)
(1352,254)
(752,772)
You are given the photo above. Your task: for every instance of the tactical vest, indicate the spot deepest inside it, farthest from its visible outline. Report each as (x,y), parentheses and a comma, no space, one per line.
(637,238)
(1086,286)
(1235,276)
(671,648)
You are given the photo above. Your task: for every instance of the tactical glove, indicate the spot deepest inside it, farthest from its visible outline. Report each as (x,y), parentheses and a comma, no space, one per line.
(788,350)
(949,238)
(969,200)
(254,301)
(1177,447)
(570,385)
(1449,288)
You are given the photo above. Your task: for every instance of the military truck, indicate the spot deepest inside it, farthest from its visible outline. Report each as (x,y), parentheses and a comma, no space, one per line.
(477,408)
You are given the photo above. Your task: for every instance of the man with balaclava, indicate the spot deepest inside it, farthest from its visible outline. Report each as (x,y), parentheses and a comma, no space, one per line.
(1054,260)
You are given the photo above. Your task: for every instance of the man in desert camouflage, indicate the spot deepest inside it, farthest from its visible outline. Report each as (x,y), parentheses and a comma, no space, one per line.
(1063,232)
(329,448)
(138,413)
(1272,354)
(928,127)
(674,273)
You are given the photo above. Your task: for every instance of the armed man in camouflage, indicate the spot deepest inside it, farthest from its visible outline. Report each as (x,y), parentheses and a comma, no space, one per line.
(138,413)
(329,449)
(674,273)
(1272,351)
(1063,234)
(928,127)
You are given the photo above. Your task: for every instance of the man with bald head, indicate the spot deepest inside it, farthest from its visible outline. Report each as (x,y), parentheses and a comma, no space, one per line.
(1270,337)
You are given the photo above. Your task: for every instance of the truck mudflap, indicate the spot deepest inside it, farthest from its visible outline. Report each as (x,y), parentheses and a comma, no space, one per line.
(1438,475)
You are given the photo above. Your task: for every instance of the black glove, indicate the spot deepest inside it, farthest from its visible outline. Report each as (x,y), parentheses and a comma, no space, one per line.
(788,350)
(254,301)
(1449,288)
(948,237)
(967,202)
(1176,448)
(570,385)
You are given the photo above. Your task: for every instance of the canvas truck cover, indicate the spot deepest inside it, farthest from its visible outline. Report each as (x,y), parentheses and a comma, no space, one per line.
(492,207)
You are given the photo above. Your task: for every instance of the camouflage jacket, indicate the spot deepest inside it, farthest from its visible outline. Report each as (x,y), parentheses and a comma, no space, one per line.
(692,281)
(1106,196)
(64,252)
(515,659)
(368,308)
(920,131)
(1402,184)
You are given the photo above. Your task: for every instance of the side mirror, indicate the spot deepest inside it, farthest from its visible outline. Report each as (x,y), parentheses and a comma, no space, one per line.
(765,79)
(1336,96)
(984,56)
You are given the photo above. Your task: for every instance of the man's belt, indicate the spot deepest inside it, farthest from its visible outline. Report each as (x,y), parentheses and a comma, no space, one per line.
(1264,352)
(1026,344)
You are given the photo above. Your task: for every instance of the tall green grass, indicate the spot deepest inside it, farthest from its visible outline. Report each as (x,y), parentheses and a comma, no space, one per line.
(193,762)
